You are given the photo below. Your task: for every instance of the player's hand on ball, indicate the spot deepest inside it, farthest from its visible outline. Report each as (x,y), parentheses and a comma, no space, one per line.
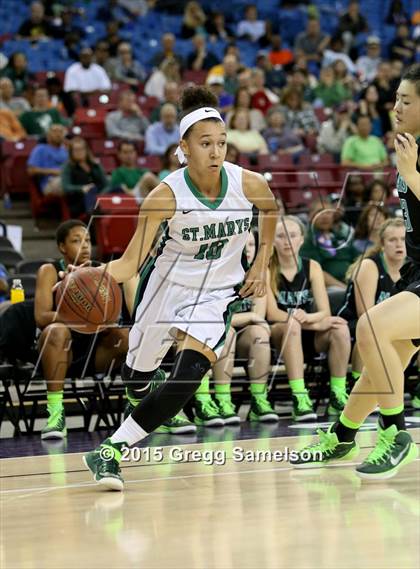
(70,269)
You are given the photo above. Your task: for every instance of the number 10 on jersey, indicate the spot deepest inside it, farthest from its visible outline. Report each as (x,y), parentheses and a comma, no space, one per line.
(211,250)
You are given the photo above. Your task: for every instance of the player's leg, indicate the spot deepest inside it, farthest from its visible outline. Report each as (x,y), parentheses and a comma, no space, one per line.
(56,356)
(191,364)
(336,343)
(287,338)
(111,349)
(386,351)
(254,345)
(222,377)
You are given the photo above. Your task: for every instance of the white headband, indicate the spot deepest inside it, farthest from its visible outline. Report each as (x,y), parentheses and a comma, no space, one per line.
(192,118)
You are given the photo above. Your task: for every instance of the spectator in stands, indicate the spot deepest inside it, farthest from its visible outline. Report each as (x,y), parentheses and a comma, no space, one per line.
(168,71)
(64,352)
(329,92)
(82,178)
(278,54)
(397,14)
(7,101)
(128,121)
(386,86)
(37,121)
(201,59)
(37,26)
(10,127)
(300,80)
(216,84)
(128,177)
(194,21)
(298,307)
(47,159)
(101,57)
(367,65)
(275,77)
(17,71)
(335,52)
(58,98)
(171,95)
(368,107)
(377,192)
(243,137)
(127,69)
(354,198)
(367,229)
(329,243)
(160,135)
(334,131)
(66,29)
(243,101)
(216,27)
(263,98)
(229,71)
(85,76)
(364,150)
(403,47)
(312,42)
(300,116)
(345,77)
(351,24)
(279,139)
(112,37)
(168,51)
(170,161)
(251,28)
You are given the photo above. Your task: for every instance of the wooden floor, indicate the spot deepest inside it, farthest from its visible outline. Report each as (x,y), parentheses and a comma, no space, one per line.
(191,515)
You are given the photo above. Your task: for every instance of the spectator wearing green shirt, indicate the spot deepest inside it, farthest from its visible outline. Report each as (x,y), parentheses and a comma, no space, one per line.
(330,243)
(364,150)
(128,177)
(329,91)
(38,121)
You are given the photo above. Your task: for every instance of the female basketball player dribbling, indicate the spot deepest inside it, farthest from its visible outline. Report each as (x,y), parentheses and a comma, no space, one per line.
(388,334)
(190,288)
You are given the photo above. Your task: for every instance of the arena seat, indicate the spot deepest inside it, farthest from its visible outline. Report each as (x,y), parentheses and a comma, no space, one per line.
(10,258)
(152,163)
(108,162)
(14,156)
(101,147)
(275,162)
(115,223)
(31,266)
(45,205)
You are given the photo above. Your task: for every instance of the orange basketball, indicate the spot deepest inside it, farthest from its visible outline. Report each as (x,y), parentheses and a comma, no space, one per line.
(88,298)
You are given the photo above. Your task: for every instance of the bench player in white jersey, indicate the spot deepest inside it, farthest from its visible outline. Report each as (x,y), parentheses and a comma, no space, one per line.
(191,287)
(388,334)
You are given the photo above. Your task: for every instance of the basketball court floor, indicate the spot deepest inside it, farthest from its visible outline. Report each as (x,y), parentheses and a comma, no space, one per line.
(218,499)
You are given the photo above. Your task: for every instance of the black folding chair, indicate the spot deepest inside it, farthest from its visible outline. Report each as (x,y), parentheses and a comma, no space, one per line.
(10,258)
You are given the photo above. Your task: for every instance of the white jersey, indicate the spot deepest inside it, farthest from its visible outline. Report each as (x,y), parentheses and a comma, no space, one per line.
(203,242)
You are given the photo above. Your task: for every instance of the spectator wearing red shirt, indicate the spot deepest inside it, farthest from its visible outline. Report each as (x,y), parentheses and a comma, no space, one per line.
(278,54)
(262,97)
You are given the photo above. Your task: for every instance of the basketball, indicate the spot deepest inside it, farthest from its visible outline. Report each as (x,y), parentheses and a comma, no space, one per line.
(88,298)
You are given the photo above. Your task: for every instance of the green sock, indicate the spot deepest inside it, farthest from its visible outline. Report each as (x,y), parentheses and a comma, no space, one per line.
(203,392)
(338,383)
(54,402)
(355,375)
(258,389)
(133,400)
(222,391)
(297,386)
(348,423)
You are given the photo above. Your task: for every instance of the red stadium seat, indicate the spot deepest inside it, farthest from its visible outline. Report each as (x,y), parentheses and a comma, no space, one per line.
(197,77)
(45,205)
(14,176)
(273,162)
(89,131)
(148,104)
(302,198)
(109,163)
(89,116)
(102,147)
(152,163)
(315,160)
(115,223)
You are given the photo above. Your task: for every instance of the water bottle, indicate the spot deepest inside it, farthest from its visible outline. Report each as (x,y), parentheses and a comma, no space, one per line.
(17,294)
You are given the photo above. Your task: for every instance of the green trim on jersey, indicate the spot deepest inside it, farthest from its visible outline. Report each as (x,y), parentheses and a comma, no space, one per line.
(201,197)
(146,273)
(231,308)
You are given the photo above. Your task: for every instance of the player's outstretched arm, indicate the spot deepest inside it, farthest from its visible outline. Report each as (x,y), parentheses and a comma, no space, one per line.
(157,206)
(259,194)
